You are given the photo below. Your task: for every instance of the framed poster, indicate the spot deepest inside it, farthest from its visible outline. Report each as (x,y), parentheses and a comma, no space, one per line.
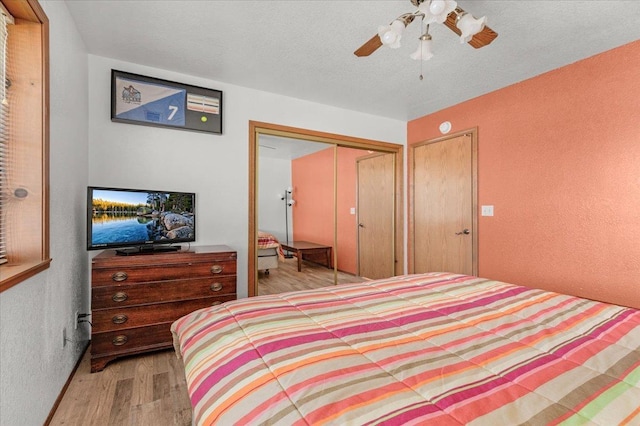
(148,101)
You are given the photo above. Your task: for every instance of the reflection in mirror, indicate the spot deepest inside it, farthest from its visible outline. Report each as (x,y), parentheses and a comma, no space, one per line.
(295,209)
(365,214)
(309,240)
(376,215)
(312,200)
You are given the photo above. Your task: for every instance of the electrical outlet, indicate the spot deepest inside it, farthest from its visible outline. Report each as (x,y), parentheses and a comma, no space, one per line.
(76,320)
(64,337)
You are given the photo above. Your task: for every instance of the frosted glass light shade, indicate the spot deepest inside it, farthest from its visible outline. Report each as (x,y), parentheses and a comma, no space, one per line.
(470,26)
(424,50)
(437,10)
(437,6)
(390,35)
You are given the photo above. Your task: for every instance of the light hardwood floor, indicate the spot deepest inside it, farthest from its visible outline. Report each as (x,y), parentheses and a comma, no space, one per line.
(287,278)
(151,389)
(139,390)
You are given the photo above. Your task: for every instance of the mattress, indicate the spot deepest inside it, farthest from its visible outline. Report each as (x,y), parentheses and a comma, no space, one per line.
(268,258)
(440,349)
(269,241)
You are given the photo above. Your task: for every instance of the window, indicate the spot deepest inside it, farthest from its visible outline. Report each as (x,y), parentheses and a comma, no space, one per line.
(5,20)
(24,143)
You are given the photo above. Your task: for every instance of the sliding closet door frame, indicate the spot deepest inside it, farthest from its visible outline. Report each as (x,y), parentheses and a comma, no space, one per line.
(257,128)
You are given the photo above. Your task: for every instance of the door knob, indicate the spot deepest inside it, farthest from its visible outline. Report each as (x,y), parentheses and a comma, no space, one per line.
(464,231)
(361,225)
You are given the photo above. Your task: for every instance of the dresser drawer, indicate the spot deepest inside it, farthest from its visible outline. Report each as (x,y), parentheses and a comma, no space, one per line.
(126,275)
(161,291)
(143,315)
(131,340)
(214,268)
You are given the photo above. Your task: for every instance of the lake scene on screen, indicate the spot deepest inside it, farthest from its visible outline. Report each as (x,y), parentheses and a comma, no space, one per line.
(137,217)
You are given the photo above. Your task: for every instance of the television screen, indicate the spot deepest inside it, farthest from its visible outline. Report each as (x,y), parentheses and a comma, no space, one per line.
(143,220)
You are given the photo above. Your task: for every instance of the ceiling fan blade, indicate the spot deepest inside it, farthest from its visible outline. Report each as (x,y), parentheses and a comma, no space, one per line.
(369,47)
(374,42)
(483,38)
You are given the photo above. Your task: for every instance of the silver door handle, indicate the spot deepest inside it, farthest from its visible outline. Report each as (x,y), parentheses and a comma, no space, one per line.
(464,231)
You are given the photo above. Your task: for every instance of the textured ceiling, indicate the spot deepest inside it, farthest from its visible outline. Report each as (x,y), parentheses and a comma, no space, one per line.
(304,49)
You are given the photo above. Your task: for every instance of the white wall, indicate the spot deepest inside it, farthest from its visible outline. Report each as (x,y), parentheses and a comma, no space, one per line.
(274,177)
(34,364)
(213,166)
(87,148)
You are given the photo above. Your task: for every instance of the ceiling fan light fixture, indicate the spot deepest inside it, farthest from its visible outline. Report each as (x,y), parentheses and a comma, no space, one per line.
(473,31)
(437,6)
(390,35)
(424,51)
(437,10)
(469,26)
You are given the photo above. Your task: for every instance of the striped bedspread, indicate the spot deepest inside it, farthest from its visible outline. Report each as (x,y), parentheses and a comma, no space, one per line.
(437,349)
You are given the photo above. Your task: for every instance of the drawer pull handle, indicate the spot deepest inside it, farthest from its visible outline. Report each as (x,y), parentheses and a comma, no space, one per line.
(119,340)
(119,276)
(217,302)
(216,269)
(216,287)
(120,297)
(119,319)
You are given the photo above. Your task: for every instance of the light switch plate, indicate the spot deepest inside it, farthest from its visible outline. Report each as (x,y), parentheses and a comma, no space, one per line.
(487,210)
(352,210)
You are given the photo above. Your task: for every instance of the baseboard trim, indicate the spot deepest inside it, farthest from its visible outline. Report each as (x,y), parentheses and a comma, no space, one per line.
(47,422)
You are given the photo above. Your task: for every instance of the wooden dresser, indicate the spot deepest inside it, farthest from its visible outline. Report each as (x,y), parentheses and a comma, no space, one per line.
(135,299)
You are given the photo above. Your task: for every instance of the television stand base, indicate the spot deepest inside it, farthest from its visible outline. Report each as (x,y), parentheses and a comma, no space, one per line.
(133,251)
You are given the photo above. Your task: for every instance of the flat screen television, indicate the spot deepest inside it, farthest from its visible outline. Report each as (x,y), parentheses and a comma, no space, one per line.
(136,221)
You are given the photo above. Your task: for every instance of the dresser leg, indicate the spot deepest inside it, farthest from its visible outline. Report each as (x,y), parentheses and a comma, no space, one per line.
(99,364)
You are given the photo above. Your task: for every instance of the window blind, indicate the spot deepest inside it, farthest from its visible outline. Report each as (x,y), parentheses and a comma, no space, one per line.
(5,20)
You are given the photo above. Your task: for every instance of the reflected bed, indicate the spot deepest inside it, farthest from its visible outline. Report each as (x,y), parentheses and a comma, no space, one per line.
(269,252)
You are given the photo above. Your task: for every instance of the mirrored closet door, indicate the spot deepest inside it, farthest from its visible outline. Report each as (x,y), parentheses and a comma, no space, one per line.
(295,210)
(330,201)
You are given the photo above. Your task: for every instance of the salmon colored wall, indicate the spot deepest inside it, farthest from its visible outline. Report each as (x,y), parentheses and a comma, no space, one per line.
(312,180)
(559,158)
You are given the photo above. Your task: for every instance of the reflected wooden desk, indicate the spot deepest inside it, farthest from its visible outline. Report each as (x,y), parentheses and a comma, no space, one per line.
(306,248)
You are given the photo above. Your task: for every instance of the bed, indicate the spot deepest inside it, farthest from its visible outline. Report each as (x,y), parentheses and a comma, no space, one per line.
(269,252)
(440,349)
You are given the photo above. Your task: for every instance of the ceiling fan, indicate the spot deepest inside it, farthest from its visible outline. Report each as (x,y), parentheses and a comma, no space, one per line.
(471,30)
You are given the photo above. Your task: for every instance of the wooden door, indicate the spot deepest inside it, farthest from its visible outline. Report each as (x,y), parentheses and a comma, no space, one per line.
(444,206)
(376,200)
